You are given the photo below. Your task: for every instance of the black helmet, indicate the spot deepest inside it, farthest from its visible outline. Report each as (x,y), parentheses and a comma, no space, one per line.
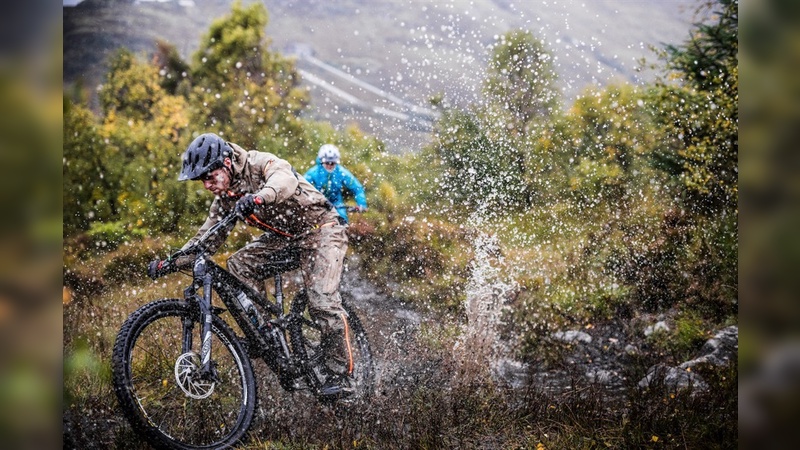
(203,155)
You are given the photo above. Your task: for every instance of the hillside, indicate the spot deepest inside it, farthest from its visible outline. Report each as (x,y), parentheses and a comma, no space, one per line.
(409,49)
(533,280)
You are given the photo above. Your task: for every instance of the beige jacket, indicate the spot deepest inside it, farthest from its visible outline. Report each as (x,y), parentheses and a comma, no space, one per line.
(293,207)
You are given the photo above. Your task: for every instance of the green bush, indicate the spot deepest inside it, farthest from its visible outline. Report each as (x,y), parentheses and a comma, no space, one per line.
(129,262)
(428,259)
(107,236)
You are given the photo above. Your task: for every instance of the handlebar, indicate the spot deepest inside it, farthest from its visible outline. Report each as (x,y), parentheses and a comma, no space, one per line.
(198,248)
(201,246)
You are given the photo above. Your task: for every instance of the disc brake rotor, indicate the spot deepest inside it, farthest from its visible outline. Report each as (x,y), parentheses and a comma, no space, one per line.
(187,374)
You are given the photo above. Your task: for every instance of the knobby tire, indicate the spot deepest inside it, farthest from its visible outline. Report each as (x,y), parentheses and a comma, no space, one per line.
(143,368)
(304,337)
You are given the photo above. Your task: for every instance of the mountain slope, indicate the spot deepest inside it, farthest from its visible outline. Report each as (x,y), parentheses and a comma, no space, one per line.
(411,49)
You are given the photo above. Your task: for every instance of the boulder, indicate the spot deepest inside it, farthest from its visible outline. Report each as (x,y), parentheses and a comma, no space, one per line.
(674,378)
(717,351)
(572,336)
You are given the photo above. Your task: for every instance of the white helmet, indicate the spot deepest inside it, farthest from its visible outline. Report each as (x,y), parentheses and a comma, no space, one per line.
(329,153)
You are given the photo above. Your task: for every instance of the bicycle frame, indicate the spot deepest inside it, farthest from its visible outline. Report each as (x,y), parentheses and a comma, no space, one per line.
(288,341)
(263,340)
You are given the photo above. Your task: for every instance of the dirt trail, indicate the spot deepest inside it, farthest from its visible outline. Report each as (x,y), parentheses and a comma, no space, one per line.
(392,327)
(406,359)
(591,356)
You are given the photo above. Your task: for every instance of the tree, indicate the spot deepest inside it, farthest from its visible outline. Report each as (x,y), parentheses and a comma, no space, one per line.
(131,88)
(145,129)
(610,132)
(701,114)
(242,90)
(499,152)
(475,167)
(91,172)
(174,71)
(695,258)
(520,82)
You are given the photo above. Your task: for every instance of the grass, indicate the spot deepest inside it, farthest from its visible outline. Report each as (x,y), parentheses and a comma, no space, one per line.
(561,262)
(437,401)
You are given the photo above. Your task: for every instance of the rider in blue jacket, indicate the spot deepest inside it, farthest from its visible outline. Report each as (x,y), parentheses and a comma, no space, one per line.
(332,179)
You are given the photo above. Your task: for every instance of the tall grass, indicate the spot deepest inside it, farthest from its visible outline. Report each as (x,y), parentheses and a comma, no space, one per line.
(433,400)
(565,264)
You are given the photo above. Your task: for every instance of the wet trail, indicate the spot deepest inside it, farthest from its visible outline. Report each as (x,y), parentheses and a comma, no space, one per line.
(409,355)
(591,356)
(392,326)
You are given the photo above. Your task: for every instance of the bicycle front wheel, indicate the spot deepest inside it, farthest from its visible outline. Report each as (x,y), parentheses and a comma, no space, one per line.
(161,390)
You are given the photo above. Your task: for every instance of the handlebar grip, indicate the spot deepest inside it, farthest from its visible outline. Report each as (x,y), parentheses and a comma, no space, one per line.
(159,268)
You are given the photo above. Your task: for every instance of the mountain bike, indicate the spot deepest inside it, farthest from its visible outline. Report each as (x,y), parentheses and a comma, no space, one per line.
(183,376)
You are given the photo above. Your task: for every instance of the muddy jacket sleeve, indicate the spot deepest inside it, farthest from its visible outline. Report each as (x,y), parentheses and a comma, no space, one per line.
(280,180)
(215,214)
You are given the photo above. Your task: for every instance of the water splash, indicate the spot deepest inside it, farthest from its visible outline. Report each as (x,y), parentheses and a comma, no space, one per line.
(489,285)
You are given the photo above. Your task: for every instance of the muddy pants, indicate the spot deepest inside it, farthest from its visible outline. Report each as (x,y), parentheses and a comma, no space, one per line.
(322,260)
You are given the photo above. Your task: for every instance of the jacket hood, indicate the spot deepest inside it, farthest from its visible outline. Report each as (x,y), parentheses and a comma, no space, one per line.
(239,158)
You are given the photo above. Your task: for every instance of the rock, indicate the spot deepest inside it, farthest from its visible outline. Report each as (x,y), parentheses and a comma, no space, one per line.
(719,350)
(601,376)
(674,378)
(656,328)
(572,336)
(515,373)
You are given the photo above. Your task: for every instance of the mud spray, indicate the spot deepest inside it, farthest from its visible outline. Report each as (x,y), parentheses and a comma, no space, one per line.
(479,347)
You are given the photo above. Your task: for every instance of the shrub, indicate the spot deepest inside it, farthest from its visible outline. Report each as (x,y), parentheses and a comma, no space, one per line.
(427,258)
(106,236)
(129,262)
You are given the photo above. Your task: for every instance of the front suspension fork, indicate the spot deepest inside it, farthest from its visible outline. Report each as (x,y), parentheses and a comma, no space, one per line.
(204,302)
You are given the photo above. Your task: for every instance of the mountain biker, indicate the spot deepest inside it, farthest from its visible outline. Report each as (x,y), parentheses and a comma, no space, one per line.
(333,179)
(268,193)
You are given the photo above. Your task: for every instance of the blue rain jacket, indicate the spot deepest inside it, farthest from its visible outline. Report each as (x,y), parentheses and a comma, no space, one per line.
(334,184)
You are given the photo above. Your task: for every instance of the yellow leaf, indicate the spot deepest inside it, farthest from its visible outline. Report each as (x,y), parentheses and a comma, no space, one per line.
(654,438)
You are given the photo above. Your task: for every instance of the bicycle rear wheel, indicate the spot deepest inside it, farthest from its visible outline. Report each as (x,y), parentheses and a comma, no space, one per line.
(158,384)
(305,337)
